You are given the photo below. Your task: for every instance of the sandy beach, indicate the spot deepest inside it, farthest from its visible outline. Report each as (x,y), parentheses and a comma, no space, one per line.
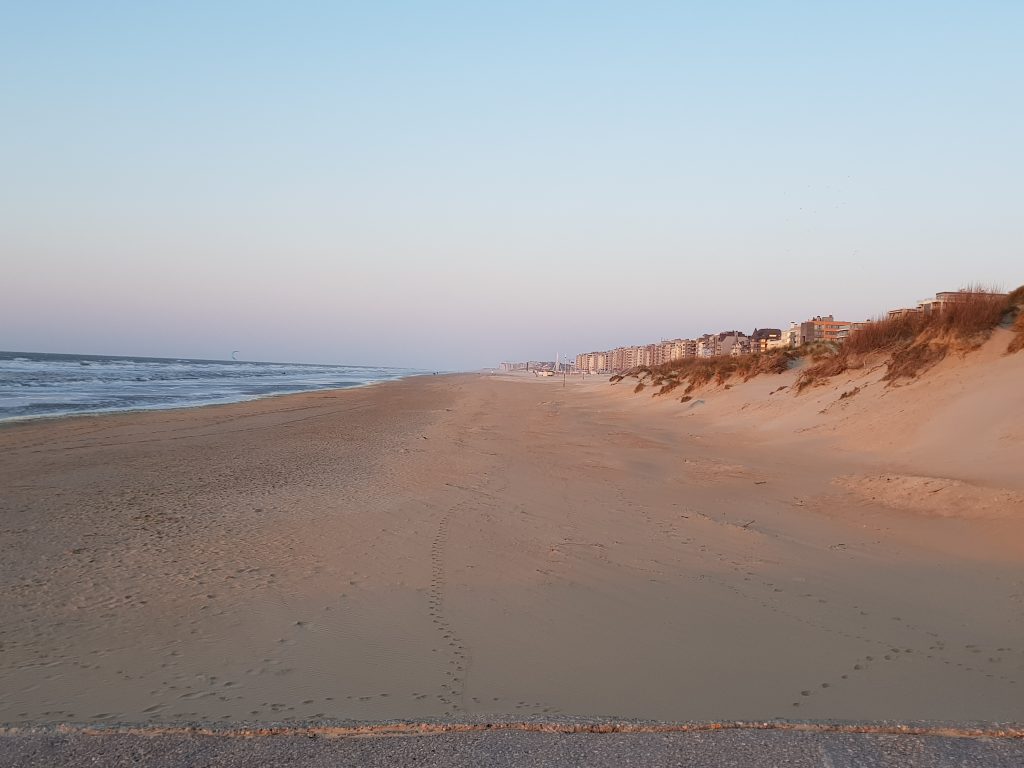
(501,546)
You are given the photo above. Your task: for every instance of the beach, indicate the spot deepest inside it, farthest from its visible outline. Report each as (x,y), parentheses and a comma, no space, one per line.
(488,546)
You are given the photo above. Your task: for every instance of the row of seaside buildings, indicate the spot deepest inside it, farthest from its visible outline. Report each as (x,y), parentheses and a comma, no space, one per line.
(822,328)
(819,328)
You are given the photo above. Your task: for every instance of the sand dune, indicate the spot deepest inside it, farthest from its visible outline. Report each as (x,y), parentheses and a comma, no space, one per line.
(500,546)
(941,496)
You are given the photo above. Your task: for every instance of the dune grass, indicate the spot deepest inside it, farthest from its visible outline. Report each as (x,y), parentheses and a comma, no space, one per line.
(1017,342)
(915,342)
(1016,300)
(695,372)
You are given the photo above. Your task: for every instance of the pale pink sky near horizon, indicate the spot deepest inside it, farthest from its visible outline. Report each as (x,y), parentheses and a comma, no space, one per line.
(447,188)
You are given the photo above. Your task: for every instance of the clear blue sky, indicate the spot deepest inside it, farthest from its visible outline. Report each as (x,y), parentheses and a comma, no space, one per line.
(448,185)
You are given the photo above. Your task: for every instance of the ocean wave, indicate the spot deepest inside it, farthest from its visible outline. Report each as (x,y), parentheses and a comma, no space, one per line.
(49,385)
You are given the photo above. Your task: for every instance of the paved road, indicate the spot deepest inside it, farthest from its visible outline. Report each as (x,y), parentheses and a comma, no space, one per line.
(743,748)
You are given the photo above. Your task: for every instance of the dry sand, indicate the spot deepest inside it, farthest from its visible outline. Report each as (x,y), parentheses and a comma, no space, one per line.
(478,546)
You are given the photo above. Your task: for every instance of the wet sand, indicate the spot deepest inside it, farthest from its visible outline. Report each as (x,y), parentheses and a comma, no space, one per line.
(458,546)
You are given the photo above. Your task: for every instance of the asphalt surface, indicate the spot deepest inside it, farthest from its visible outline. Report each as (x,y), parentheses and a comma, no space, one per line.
(740,747)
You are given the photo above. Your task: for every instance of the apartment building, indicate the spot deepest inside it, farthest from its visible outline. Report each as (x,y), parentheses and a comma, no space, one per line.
(824,328)
(706,345)
(945,298)
(792,337)
(761,339)
(732,343)
(647,355)
(622,358)
(663,353)
(902,312)
(668,350)
(940,302)
(592,362)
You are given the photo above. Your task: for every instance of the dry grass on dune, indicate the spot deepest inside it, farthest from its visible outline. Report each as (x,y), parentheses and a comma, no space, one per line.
(1017,300)
(914,342)
(695,372)
(1017,344)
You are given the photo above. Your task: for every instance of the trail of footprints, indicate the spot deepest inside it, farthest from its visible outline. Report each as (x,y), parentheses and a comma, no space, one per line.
(453,691)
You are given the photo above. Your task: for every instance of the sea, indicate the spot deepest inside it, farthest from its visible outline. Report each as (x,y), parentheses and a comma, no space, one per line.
(34,385)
